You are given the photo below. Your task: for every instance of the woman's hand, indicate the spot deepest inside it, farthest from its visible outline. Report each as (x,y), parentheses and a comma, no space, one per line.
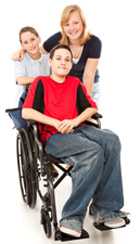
(18,55)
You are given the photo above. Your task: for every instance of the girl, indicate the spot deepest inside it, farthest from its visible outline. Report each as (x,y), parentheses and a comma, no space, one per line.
(85,47)
(33,64)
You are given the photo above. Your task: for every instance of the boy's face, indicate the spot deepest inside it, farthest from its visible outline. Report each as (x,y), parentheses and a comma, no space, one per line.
(61,63)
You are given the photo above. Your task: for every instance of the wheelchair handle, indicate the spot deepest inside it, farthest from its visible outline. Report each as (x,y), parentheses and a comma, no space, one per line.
(97,116)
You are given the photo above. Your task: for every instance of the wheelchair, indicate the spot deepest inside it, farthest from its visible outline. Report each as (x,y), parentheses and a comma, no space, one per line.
(36,174)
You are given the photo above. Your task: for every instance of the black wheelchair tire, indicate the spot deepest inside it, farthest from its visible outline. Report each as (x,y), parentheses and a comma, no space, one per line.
(26,169)
(46,223)
(21,173)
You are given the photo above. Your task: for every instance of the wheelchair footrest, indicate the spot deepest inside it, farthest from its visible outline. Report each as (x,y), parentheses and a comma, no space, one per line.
(65,237)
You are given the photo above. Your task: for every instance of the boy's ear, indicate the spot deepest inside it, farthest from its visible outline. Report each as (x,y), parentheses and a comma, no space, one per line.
(71,65)
(49,61)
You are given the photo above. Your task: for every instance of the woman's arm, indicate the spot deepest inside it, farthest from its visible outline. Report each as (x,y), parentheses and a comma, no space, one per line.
(51,42)
(24,80)
(89,74)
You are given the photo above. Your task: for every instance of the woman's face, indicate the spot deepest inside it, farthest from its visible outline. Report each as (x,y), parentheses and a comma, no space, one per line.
(61,63)
(74,27)
(30,43)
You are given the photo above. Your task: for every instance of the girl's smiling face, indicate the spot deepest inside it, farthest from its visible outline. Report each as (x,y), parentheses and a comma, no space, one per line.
(74,27)
(30,43)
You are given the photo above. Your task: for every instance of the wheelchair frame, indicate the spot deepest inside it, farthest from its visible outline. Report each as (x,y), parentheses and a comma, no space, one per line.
(34,167)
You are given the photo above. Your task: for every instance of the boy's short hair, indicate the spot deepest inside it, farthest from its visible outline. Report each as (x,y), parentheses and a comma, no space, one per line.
(59,46)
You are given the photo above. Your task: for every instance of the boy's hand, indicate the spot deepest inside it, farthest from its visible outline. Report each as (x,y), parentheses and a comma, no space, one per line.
(67,126)
(56,123)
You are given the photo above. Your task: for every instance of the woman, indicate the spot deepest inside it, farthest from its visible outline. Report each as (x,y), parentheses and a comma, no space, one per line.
(33,64)
(85,47)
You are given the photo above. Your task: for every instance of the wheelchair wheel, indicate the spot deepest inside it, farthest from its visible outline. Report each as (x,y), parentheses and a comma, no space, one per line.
(46,222)
(26,168)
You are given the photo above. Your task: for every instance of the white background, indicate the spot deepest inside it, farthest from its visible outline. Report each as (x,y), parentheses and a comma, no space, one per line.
(116,23)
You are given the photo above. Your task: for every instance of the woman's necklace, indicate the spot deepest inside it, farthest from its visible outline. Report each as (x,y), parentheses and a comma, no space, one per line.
(76,51)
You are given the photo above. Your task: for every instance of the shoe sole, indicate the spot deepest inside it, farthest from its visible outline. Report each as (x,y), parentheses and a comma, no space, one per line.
(70,232)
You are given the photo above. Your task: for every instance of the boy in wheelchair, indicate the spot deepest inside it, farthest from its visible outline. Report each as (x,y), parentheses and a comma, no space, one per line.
(61,105)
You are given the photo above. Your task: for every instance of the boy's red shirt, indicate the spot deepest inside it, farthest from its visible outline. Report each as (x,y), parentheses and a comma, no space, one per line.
(57,100)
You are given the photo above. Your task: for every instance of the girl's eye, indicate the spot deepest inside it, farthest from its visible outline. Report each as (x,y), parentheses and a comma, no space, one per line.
(25,42)
(74,23)
(67,25)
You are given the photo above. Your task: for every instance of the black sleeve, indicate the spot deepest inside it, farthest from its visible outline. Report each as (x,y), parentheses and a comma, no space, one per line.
(52,41)
(38,102)
(82,100)
(94,46)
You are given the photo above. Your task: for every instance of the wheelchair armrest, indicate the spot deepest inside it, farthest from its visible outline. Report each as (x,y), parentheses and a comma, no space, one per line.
(15,115)
(11,109)
(32,124)
(97,116)
(95,120)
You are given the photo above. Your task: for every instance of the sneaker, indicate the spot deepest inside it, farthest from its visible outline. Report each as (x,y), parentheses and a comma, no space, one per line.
(70,232)
(115,222)
(72,228)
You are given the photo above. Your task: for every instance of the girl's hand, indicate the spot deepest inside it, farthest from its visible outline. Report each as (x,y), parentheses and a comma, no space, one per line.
(18,55)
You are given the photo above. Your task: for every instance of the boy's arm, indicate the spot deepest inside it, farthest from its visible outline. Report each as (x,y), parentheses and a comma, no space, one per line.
(33,107)
(85,115)
(32,114)
(67,125)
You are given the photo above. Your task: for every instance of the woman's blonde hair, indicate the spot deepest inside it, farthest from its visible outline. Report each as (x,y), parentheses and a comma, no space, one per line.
(28,29)
(65,18)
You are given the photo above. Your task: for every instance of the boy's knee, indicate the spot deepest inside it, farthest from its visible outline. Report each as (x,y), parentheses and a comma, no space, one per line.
(114,141)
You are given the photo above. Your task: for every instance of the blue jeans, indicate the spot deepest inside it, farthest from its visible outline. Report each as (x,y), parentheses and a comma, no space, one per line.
(96,173)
